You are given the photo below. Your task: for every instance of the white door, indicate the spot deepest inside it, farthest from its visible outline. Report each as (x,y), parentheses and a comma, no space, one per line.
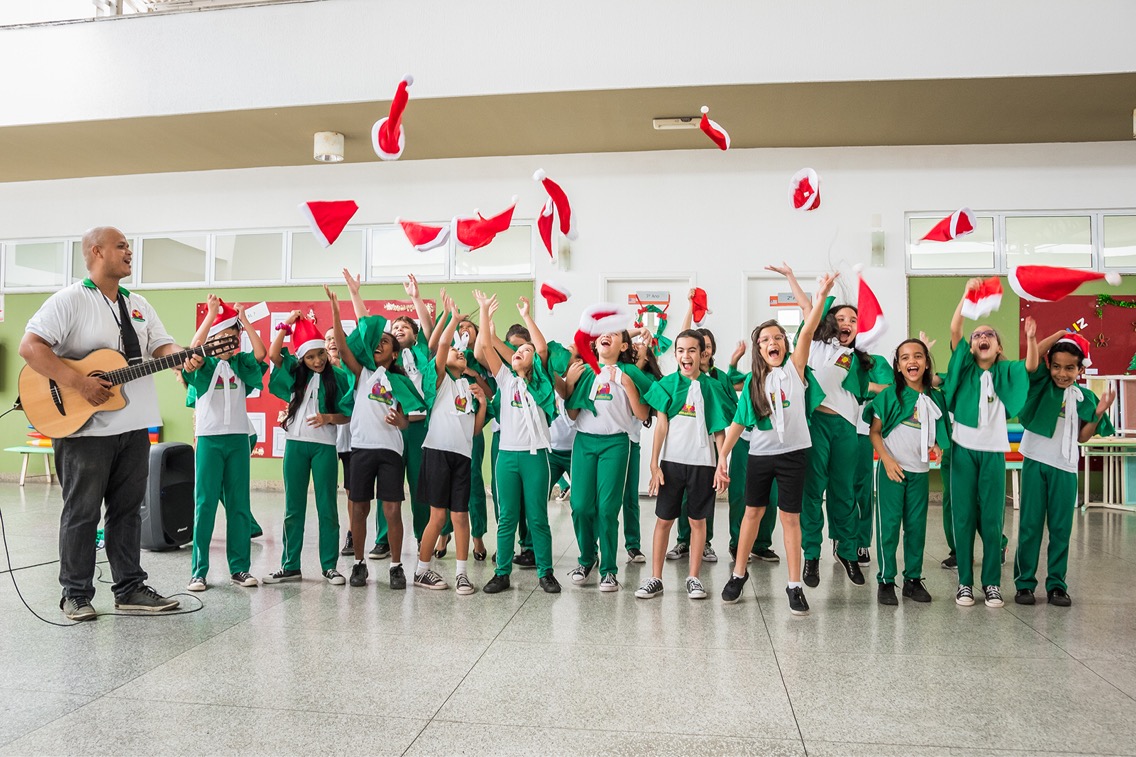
(768,297)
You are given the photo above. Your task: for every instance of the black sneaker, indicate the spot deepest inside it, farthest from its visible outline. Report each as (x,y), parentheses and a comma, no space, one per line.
(913,588)
(334,577)
(77,608)
(885,594)
(964,597)
(649,589)
(1004,551)
(679,551)
(609,583)
(359,574)
(766,555)
(549,584)
(525,559)
(855,575)
(281,576)
(430,579)
(145,598)
(348,546)
(863,556)
(993,596)
(811,574)
(797,603)
(580,573)
(244,578)
(496,584)
(1057,596)
(732,591)
(636,556)
(256,534)
(397,577)
(950,563)
(1024,597)
(379,552)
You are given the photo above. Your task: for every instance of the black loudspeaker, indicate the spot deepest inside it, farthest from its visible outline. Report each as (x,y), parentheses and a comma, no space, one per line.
(167,510)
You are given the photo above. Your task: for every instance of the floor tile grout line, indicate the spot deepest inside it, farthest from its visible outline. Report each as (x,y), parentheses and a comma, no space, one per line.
(953,747)
(780,673)
(612,730)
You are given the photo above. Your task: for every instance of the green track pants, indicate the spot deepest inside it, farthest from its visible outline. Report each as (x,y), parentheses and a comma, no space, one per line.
(222,465)
(304,462)
(862,485)
(900,505)
(599,479)
(522,485)
(1049,497)
(631,531)
(832,468)
(978,502)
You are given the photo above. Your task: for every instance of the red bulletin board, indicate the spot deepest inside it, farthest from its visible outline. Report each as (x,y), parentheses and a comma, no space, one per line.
(263,408)
(1112,334)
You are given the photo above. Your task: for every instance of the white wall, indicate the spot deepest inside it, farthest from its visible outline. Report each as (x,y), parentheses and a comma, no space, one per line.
(715,214)
(357,50)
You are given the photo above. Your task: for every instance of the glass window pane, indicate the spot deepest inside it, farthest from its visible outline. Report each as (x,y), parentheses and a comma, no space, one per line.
(1049,240)
(1120,241)
(509,255)
(248,257)
(35,264)
(392,256)
(78,265)
(974,252)
(311,261)
(171,260)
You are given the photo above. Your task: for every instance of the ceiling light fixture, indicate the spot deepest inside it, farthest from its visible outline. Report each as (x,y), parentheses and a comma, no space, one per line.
(328,147)
(676,122)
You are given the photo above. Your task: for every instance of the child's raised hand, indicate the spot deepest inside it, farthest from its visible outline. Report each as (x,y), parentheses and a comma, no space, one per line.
(739,351)
(827,281)
(574,372)
(331,296)
(1106,400)
(491,306)
(214,304)
(481,297)
(1030,328)
(294,316)
(892,468)
(523,307)
(411,286)
(240,312)
(478,394)
(782,269)
(974,283)
(353,282)
(656,481)
(929,342)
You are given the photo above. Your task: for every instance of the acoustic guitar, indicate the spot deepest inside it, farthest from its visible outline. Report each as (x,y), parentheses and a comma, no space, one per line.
(58,411)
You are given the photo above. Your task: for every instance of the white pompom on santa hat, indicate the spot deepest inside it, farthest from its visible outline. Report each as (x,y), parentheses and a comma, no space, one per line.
(983,299)
(387,135)
(1043,283)
(804,190)
(423,236)
(560,202)
(554,294)
(474,232)
(597,320)
(1081,343)
(714,130)
(226,319)
(869,315)
(957,224)
(328,218)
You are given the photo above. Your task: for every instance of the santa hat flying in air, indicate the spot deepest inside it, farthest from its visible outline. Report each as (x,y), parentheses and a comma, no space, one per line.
(714,130)
(474,232)
(596,321)
(424,237)
(804,190)
(328,218)
(870,316)
(983,299)
(558,202)
(698,305)
(554,294)
(387,135)
(1043,283)
(957,224)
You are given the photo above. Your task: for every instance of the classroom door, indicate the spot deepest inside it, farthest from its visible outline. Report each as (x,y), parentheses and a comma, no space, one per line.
(768,297)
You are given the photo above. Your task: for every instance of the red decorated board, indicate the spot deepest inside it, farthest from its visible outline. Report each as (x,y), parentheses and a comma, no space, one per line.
(1112,334)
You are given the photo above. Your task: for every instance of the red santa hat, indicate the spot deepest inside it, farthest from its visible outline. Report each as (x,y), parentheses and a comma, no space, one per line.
(544,225)
(869,315)
(596,321)
(387,136)
(1080,343)
(983,300)
(698,309)
(804,190)
(328,218)
(474,232)
(560,201)
(1043,283)
(305,337)
(424,237)
(957,224)
(226,319)
(714,130)
(553,293)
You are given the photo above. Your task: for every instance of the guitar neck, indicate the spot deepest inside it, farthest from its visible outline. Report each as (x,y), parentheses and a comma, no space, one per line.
(137,371)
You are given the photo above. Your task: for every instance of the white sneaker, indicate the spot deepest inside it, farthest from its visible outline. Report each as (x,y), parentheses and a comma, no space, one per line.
(334,577)
(694,588)
(462,585)
(430,579)
(709,555)
(993,596)
(964,597)
(609,583)
(197,583)
(649,589)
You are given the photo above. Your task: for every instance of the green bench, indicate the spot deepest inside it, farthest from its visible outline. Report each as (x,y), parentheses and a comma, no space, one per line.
(27,453)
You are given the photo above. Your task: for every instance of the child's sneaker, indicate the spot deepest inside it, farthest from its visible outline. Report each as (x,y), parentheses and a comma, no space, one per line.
(964,596)
(797,603)
(1058,597)
(244,578)
(197,583)
(430,579)
(913,588)
(993,596)
(709,555)
(359,574)
(379,552)
(885,594)
(950,563)
(766,555)
(580,573)
(609,583)
(694,589)
(649,589)
(679,551)
(282,575)
(863,556)
(636,556)
(334,577)
(733,590)
(348,546)
(397,577)
(462,585)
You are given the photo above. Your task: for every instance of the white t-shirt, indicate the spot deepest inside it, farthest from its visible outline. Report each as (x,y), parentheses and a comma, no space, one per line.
(343,438)
(613,409)
(562,432)
(374,401)
(830,363)
(796,434)
(903,444)
(452,418)
(1047,449)
(988,437)
(79,319)
(226,395)
(298,429)
(524,427)
(687,440)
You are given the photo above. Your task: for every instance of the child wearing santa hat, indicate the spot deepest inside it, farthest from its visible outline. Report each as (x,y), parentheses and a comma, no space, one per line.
(219,386)
(983,389)
(1057,415)
(317,394)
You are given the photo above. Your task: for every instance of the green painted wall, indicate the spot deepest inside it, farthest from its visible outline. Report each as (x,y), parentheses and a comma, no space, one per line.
(177,309)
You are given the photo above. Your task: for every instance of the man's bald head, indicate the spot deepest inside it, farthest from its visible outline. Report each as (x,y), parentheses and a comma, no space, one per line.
(97,237)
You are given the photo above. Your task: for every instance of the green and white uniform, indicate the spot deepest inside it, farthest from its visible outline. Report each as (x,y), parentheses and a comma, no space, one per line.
(219,388)
(1049,475)
(881,373)
(726,379)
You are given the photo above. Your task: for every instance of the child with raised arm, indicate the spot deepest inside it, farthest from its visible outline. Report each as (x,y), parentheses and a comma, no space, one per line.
(775,403)
(220,385)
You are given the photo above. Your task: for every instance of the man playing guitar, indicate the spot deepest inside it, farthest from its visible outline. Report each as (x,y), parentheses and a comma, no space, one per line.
(108,458)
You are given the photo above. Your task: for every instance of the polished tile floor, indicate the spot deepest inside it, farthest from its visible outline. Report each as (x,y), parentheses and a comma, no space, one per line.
(311,668)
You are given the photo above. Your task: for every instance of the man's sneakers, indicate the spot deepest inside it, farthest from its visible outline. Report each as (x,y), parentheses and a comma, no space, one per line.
(282,575)
(379,552)
(694,588)
(852,568)
(811,573)
(993,596)
(243,578)
(334,577)
(679,551)
(885,594)
(914,589)
(496,584)
(609,583)
(709,555)
(1057,596)
(765,555)
(463,586)
(549,584)
(359,574)
(145,598)
(950,563)
(525,559)
(964,597)
(77,608)
(635,555)
(397,577)
(797,603)
(649,589)
(430,579)
(1024,597)
(580,573)
(197,583)
(863,556)
(732,592)
(348,546)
